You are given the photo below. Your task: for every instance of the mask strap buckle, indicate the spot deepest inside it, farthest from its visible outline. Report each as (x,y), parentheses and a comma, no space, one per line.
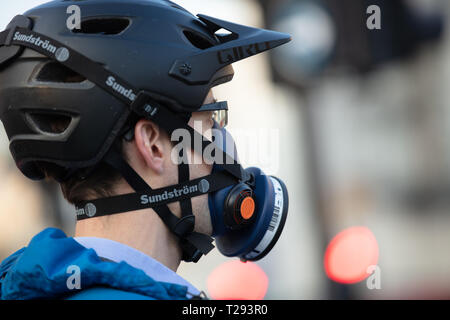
(7,36)
(19,21)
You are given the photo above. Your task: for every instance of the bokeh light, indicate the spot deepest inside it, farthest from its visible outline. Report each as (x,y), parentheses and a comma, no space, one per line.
(236,280)
(349,254)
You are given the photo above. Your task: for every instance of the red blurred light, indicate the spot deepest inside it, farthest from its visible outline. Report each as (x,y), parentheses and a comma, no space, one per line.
(236,280)
(349,254)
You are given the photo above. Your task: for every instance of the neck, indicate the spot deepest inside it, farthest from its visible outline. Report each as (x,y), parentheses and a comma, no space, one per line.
(142,230)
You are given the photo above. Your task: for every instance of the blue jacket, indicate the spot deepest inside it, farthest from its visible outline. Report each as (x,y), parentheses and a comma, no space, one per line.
(41,271)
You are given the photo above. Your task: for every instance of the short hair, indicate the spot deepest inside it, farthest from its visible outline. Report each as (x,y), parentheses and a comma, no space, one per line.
(99,183)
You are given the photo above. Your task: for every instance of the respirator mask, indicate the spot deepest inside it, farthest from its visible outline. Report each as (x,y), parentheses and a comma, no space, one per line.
(247,217)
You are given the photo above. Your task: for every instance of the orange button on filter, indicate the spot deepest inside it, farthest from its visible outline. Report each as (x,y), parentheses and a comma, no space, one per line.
(247,208)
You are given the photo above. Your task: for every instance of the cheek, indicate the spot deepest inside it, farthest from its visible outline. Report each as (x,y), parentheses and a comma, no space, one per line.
(198,168)
(208,132)
(171,173)
(170,167)
(203,124)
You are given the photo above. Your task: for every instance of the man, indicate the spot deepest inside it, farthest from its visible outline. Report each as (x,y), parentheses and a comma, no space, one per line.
(98,109)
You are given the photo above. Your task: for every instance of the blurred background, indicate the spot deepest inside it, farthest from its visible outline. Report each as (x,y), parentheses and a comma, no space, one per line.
(361,122)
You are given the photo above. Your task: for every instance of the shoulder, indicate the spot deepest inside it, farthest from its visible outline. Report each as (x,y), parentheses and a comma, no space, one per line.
(105,293)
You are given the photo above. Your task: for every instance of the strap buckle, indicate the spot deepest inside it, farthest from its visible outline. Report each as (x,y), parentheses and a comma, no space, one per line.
(184,226)
(10,35)
(6,37)
(19,21)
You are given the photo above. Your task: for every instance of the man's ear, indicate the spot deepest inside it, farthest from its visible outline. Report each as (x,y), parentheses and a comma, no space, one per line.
(148,137)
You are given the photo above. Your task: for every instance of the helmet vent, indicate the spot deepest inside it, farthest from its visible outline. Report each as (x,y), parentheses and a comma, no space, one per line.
(197,40)
(222,32)
(48,123)
(225,35)
(56,72)
(104,26)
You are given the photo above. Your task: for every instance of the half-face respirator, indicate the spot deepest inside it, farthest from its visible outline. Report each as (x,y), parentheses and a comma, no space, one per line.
(249,217)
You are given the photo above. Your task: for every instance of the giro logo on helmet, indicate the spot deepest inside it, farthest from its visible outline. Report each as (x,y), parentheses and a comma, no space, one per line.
(127,93)
(46,45)
(238,53)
